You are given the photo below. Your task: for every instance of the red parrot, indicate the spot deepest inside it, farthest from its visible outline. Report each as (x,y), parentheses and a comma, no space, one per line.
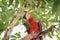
(30,20)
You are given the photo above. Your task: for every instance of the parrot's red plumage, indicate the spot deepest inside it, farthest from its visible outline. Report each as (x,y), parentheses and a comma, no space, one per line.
(33,24)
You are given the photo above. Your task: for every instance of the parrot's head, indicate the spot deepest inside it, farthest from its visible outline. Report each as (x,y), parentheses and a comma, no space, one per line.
(26,14)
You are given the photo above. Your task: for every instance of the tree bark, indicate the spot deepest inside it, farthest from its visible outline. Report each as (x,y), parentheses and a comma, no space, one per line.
(30,36)
(10,27)
(34,36)
(46,31)
(12,23)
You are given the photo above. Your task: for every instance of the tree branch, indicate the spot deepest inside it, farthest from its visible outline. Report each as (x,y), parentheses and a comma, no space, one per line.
(10,27)
(46,31)
(38,34)
(12,23)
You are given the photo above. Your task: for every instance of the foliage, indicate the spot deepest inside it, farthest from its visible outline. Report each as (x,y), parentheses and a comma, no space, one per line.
(0,39)
(47,10)
(16,36)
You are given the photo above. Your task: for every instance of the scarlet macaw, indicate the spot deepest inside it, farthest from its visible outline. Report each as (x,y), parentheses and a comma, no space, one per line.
(34,26)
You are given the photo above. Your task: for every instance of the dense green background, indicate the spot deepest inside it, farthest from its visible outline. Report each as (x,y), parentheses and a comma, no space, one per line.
(47,10)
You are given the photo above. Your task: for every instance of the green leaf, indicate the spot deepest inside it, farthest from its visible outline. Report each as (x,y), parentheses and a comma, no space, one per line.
(58,10)
(4,2)
(55,5)
(13,36)
(0,39)
(16,36)
(16,3)
(4,8)
(13,39)
(50,35)
(10,2)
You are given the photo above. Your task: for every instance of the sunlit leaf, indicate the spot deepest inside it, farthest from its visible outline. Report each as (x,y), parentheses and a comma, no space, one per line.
(56,3)
(16,3)
(10,2)
(4,2)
